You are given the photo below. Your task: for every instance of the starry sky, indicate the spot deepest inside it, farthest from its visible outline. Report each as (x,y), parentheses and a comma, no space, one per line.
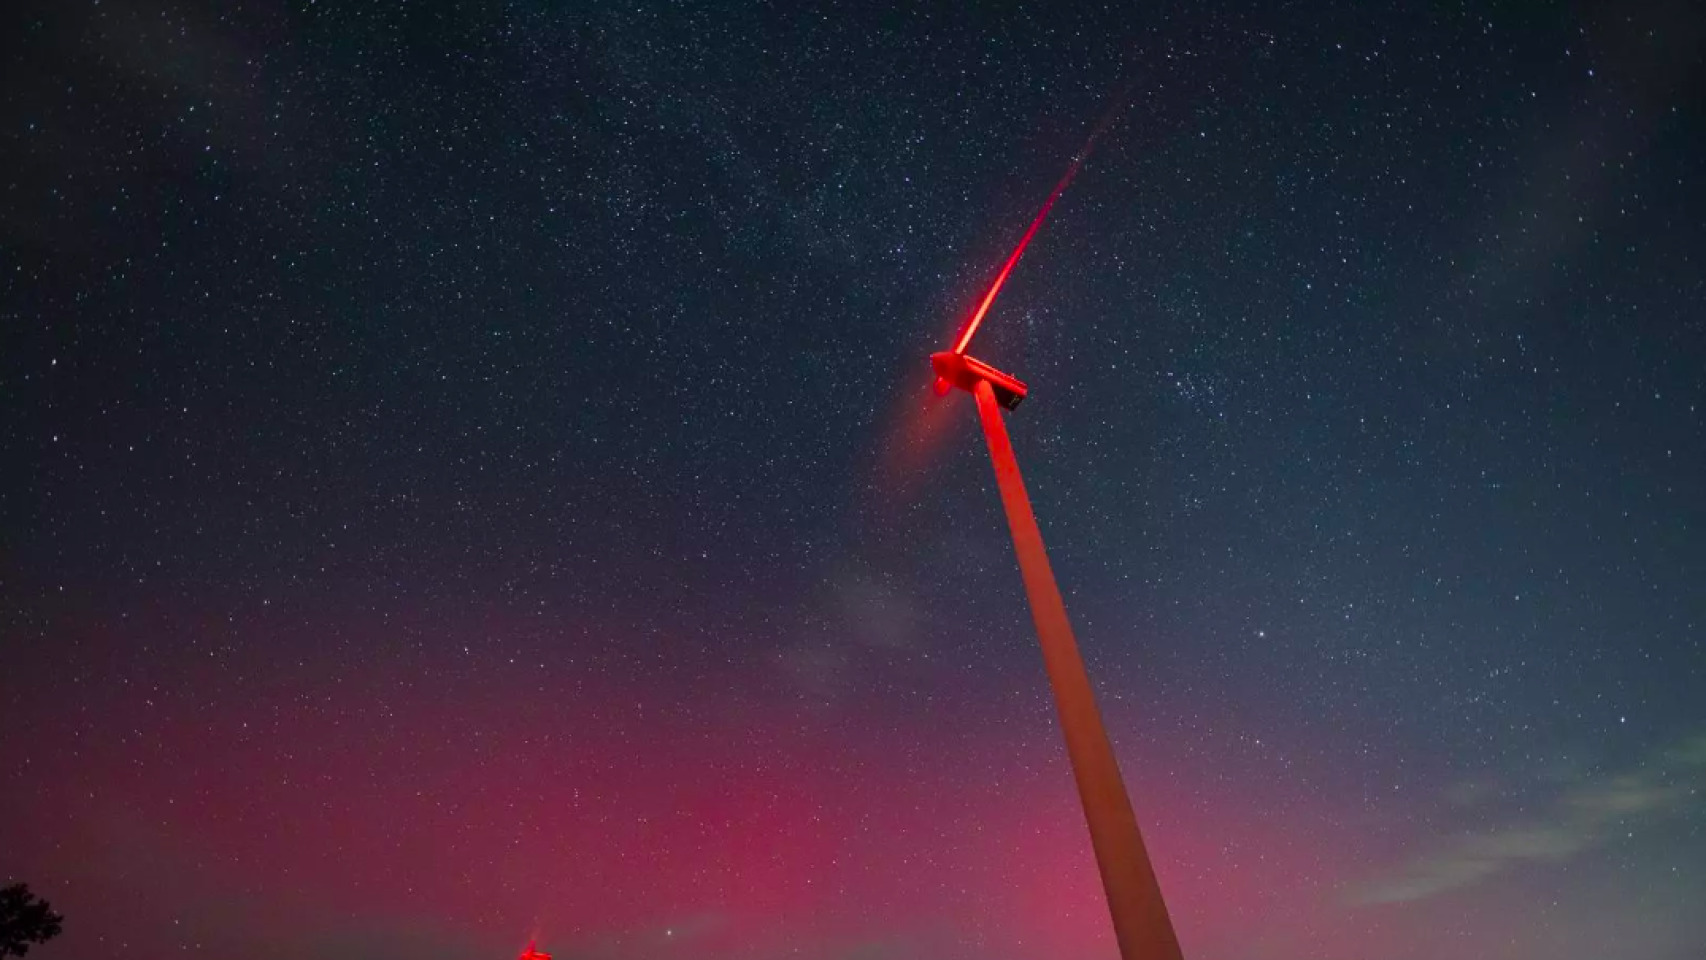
(467,474)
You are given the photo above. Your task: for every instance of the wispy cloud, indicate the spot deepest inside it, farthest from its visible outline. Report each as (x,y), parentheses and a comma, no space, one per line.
(857,623)
(1582,816)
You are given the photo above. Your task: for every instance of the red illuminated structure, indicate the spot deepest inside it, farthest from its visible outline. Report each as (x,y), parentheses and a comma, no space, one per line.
(1141,924)
(531,953)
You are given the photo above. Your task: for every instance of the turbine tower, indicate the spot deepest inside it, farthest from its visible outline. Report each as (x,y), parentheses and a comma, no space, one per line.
(1141,924)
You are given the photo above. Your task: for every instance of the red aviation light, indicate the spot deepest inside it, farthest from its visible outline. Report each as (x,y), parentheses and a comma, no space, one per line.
(532,953)
(959,370)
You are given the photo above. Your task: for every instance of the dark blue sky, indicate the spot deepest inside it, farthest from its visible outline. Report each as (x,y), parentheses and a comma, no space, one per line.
(466,472)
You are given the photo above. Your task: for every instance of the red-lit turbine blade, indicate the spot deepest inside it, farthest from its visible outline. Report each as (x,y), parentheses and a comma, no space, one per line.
(1013,258)
(1036,223)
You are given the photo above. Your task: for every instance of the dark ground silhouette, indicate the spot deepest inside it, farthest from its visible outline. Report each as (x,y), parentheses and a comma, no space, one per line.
(25,919)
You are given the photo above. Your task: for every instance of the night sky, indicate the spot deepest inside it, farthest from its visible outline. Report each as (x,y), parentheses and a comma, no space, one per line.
(467,473)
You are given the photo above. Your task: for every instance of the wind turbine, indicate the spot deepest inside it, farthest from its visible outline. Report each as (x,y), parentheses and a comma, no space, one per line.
(1141,923)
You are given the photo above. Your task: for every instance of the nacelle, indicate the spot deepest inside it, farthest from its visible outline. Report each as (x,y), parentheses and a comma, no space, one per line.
(959,370)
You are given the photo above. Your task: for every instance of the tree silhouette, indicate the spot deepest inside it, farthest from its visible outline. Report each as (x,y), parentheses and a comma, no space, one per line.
(24,920)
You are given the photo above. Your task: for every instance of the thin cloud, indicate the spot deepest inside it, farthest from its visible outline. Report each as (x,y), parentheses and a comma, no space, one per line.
(1580,818)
